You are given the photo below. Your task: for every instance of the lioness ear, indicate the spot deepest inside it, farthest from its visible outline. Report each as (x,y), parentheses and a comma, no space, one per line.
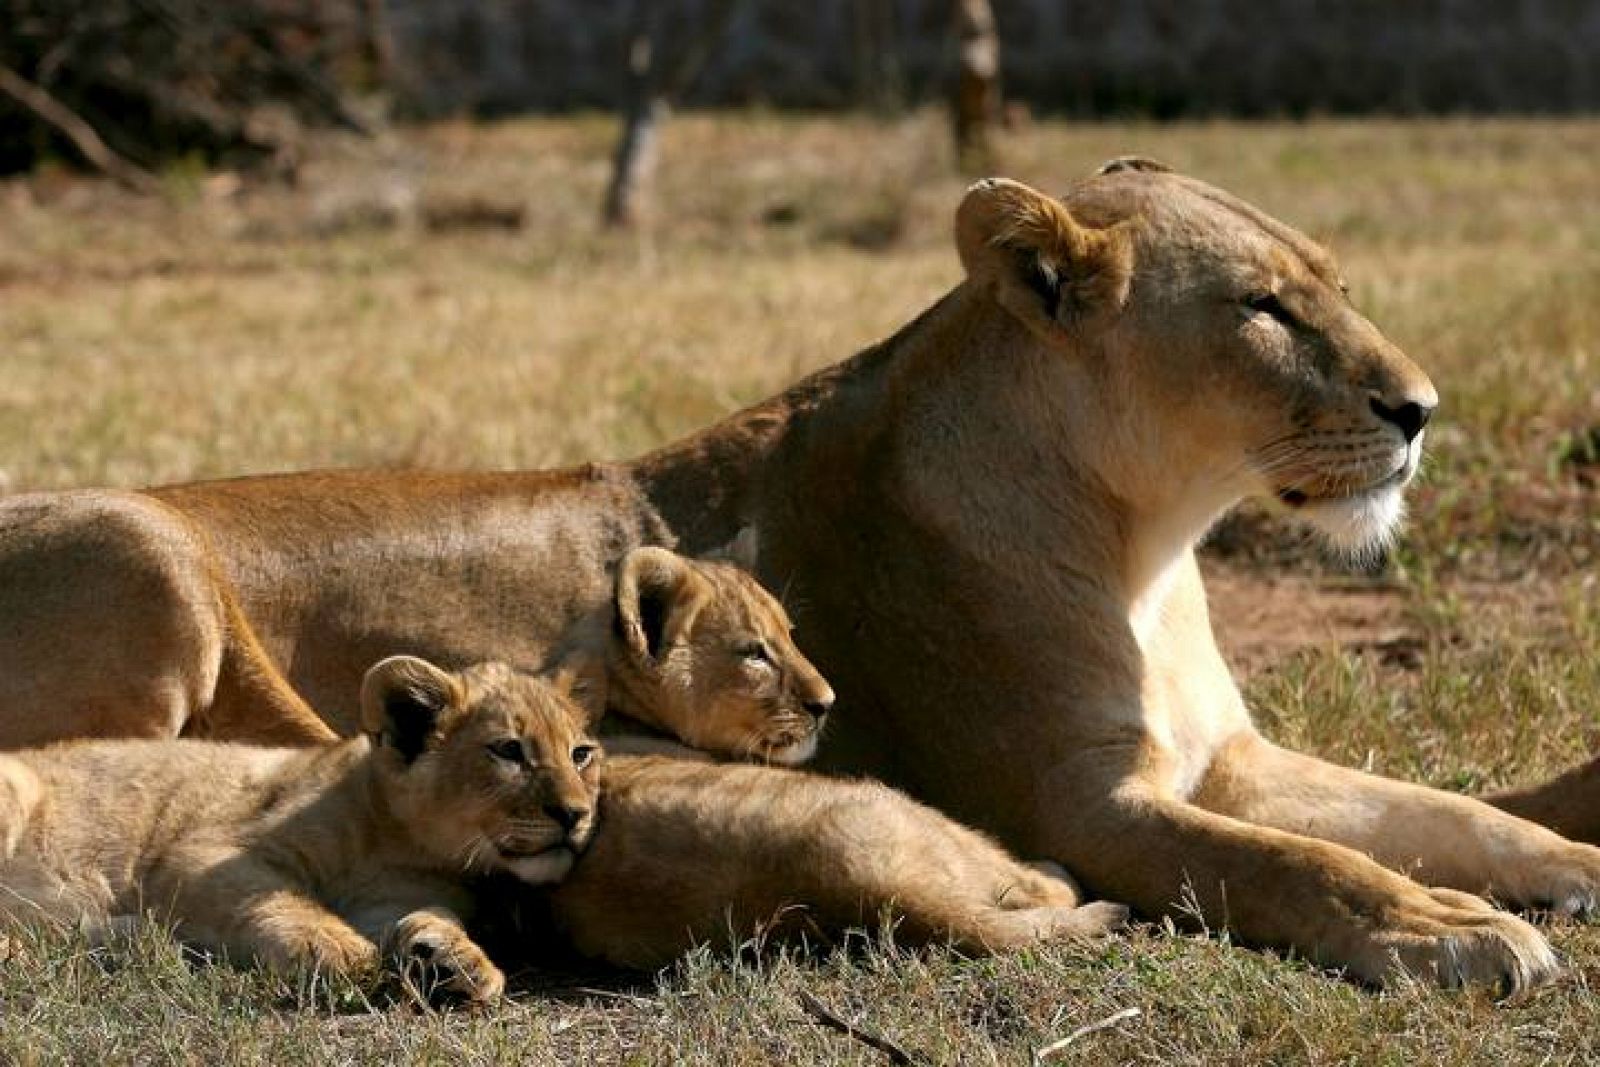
(1045,268)
(743,551)
(402,700)
(659,594)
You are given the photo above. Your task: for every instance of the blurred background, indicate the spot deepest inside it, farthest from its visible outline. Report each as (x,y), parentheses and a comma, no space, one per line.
(258,235)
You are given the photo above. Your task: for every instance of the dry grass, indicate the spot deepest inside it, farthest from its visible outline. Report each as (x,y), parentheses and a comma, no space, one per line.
(221,333)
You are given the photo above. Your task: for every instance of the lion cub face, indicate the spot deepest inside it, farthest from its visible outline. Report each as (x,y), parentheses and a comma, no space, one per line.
(703,652)
(488,767)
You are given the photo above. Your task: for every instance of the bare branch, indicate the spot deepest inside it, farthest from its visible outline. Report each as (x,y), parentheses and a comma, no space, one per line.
(80,133)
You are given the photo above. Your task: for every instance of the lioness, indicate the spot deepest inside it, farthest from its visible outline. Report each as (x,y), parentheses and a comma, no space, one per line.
(989,522)
(324,858)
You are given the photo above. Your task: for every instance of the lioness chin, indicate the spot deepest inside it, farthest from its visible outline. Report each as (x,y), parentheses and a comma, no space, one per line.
(988,522)
(329,858)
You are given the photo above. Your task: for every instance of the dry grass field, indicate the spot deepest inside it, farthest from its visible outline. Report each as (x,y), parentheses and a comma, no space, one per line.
(223,331)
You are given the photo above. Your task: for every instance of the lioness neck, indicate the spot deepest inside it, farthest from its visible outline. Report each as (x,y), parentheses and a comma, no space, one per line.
(967,419)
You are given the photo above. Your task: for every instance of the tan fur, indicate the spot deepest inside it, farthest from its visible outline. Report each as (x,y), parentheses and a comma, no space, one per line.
(325,858)
(696,853)
(698,650)
(987,522)
(690,853)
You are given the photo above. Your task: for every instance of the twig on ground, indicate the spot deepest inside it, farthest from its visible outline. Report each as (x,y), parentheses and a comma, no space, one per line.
(827,1017)
(1047,1052)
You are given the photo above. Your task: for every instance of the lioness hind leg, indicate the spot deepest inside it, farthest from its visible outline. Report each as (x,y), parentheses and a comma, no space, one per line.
(252,701)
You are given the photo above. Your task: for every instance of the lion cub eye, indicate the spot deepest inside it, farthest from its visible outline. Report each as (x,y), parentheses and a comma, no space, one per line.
(1268,304)
(756,652)
(510,750)
(582,756)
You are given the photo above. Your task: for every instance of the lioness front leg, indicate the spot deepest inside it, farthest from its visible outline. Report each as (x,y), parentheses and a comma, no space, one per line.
(1438,838)
(1331,903)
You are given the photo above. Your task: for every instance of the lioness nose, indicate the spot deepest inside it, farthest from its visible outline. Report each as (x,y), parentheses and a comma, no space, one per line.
(1410,416)
(564,815)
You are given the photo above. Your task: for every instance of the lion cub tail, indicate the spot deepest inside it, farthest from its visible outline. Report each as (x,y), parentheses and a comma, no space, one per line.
(20,793)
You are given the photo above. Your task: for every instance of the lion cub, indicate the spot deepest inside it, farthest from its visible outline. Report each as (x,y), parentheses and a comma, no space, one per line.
(694,652)
(690,852)
(325,858)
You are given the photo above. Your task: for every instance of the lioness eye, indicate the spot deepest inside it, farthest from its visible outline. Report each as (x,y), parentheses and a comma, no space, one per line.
(582,756)
(510,750)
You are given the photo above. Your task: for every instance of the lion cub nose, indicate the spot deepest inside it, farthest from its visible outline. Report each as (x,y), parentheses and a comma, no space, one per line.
(819,706)
(1410,416)
(564,815)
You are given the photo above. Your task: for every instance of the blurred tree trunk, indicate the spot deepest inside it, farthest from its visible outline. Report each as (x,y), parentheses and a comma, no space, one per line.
(654,84)
(638,150)
(975,103)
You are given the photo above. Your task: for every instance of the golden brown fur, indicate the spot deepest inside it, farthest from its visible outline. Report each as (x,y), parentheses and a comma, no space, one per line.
(326,857)
(689,853)
(697,650)
(988,521)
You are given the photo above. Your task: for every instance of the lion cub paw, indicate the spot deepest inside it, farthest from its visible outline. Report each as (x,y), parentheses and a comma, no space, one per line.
(336,950)
(1080,923)
(440,962)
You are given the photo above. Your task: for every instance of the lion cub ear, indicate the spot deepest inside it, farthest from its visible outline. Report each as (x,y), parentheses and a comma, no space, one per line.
(1037,261)
(659,595)
(582,680)
(402,700)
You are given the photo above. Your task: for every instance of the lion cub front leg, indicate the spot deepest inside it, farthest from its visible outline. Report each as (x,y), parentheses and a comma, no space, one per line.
(425,939)
(438,957)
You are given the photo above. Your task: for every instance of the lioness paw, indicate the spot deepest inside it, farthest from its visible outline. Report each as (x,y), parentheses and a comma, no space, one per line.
(1453,942)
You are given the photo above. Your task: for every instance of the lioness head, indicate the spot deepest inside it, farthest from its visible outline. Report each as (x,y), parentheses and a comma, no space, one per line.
(702,652)
(487,767)
(1215,351)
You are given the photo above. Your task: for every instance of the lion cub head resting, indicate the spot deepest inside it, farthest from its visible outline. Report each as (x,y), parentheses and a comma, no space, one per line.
(703,652)
(487,765)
